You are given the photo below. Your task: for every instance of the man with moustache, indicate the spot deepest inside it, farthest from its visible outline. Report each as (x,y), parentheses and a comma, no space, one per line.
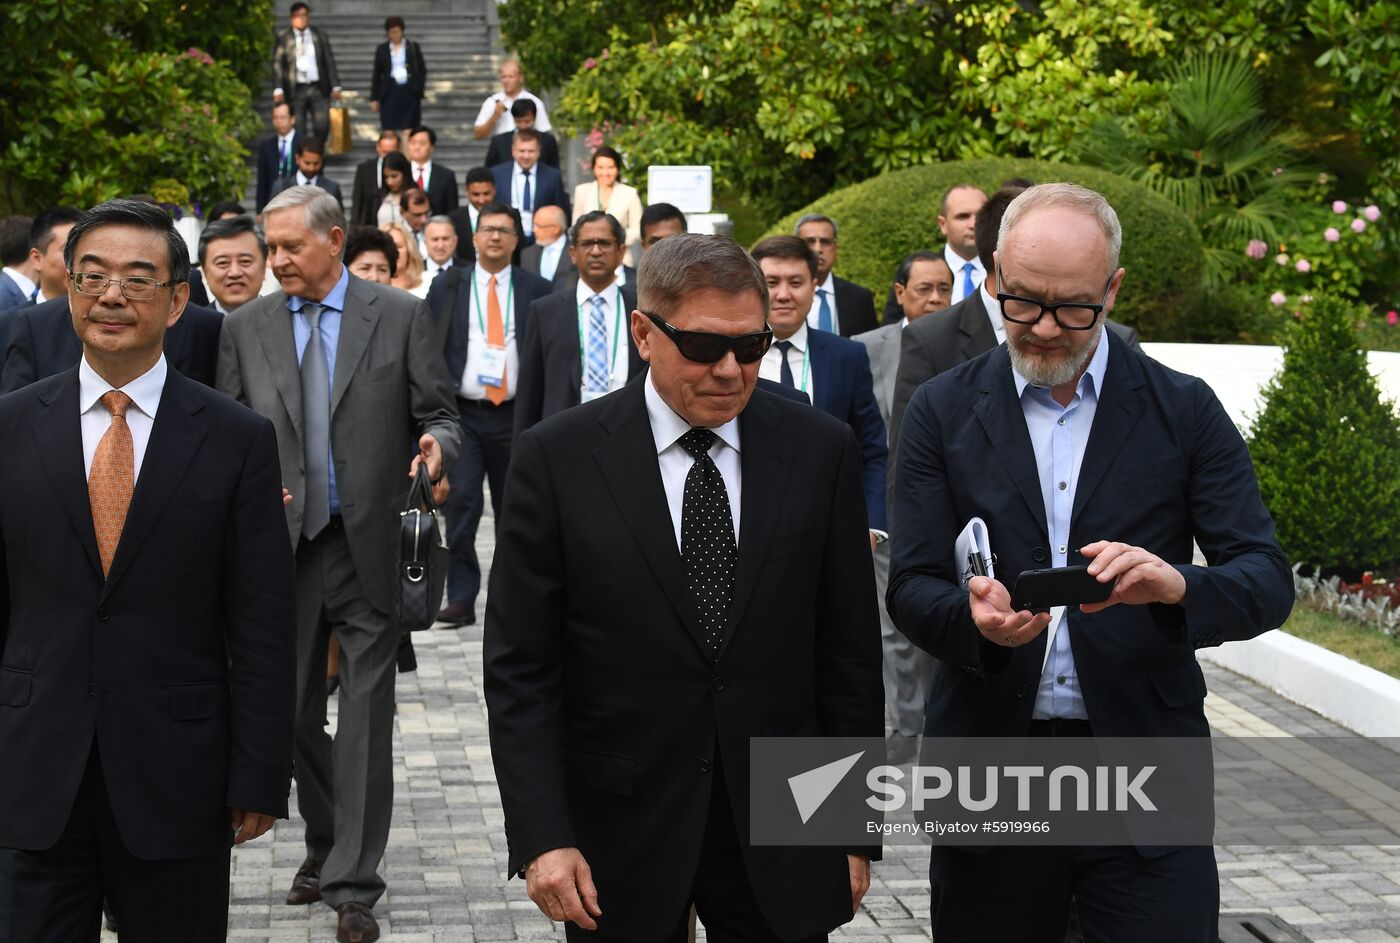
(634,643)
(234,259)
(1076,449)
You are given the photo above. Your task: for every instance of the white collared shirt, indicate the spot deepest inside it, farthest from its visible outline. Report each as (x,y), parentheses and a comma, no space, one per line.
(517,194)
(771,366)
(814,314)
(550,256)
(219,305)
(303,180)
(667,428)
(469,386)
(431,270)
(95,419)
(22,281)
(505,121)
(615,331)
(957,264)
(307,70)
(993,312)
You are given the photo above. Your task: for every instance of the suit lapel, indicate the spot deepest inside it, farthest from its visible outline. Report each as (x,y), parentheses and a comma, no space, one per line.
(1120,405)
(1003,420)
(823,377)
(627,459)
(569,316)
(520,301)
(356,325)
(280,348)
(58,432)
(765,470)
(976,328)
(887,353)
(175,437)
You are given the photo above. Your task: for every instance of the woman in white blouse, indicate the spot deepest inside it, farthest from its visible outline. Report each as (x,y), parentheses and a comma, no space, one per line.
(605,192)
(408,268)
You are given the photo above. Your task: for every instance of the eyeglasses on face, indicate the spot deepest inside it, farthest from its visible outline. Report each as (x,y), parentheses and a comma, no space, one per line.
(707,347)
(489,231)
(588,245)
(1069,315)
(136,288)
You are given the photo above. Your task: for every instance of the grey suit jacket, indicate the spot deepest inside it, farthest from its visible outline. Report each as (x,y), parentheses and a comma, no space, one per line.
(882,346)
(564,272)
(390,386)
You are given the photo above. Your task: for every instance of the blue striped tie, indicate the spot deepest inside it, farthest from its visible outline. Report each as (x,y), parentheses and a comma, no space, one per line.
(596,380)
(823,316)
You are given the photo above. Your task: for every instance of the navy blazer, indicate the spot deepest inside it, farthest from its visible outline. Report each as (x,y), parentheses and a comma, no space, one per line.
(42,343)
(1163,465)
(845,389)
(268,169)
(11,295)
(546,188)
(452,309)
(320,180)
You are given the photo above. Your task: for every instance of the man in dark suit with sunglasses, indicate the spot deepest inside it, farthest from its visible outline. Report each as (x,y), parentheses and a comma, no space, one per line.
(681,565)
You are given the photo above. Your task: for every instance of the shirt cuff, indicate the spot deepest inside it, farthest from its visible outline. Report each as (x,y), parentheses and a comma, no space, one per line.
(880,535)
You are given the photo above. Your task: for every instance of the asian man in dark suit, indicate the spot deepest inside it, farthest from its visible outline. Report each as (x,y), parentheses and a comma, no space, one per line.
(304,72)
(526,184)
(833,370)
(681,565)
(147,620)
(838,306)
(42,343)
(484,311)
(277,154)
(967,329)
(1074,448)
(310,162)
(435,179)
(577,346)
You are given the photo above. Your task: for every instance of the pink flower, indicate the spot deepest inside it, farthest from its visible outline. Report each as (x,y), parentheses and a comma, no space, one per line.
(1278,298)
(1281,258)
(594,139)
(1303,265)
(1331,234)
(1339,206)
(1358,225)
(1391,317)
(590,63)
(1372,212)
(1256,248)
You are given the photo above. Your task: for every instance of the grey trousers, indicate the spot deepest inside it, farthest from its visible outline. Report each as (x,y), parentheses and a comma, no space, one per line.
(908,669)
(312,111)
(345,786)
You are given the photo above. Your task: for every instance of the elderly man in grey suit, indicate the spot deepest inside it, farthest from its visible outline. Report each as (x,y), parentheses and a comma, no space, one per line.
(352,375)
(923,284)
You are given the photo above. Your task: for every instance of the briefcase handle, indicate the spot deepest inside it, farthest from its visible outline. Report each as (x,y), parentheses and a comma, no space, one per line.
(420,495)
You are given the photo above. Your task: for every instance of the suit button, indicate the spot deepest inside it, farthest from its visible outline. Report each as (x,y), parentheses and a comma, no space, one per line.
(716,684)
(1040,555)
(704,766)
(102,614)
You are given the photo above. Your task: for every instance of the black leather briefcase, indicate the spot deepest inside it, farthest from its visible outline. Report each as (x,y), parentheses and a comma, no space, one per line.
(422,556)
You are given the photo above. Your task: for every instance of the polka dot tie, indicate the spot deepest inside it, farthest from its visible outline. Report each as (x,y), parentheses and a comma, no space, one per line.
(112,478)
(708,549)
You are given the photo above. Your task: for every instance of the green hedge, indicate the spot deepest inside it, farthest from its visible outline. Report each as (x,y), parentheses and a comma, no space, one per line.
(886,217)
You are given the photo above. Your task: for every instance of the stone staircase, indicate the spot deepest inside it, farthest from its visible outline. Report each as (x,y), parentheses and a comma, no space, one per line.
(461,47)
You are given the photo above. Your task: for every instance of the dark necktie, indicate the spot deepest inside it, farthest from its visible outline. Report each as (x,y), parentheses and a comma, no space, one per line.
(525,204)
(316,427)
(785,371)
(708,549)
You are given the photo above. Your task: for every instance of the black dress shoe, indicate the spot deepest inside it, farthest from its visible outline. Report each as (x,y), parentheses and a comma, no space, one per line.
(356,924)
(457,613)
(306,886)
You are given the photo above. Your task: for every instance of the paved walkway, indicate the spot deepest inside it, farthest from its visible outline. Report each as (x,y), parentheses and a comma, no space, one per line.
(447,849)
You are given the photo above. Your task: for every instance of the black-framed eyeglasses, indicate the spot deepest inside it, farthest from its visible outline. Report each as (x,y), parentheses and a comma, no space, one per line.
(1069,315)
(502,231)
(588,245)
(706,347)
(136,288)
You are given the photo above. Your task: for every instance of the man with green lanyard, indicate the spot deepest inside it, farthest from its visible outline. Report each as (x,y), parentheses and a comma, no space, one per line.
(486,318)
(577,345)
(833,371)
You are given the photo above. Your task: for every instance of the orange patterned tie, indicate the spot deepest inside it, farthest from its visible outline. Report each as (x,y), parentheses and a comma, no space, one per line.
(112,478)
(495,337)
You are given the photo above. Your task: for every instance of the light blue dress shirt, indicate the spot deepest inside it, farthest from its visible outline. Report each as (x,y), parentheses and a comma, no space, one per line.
(1058,437)
(333,306)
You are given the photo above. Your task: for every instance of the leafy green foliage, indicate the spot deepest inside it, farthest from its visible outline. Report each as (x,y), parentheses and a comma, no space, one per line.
(102,102)
(892,215)
(1326,446)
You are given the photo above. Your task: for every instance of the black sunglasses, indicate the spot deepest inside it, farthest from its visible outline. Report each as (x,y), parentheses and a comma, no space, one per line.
(704,347)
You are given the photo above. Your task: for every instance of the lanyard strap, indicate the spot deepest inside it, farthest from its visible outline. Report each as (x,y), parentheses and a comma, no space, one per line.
(806,364)
(510,308)
(617,332)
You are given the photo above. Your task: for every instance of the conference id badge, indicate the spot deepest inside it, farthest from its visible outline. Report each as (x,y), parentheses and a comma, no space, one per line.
(587,396)
(492,369)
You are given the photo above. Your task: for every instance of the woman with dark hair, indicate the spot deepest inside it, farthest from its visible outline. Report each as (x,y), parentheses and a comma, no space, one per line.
(370,254)
(397,178)
(607,193)
(400,78)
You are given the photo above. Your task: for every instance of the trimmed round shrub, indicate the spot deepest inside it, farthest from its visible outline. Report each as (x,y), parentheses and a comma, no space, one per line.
(1326,448)
(886,217)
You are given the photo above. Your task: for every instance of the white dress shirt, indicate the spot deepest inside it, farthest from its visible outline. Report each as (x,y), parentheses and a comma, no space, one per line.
(956,263)
(771,366)
(307,70)
(505,121)
(425,170)
(667,428)
(814,315)
(550,256)
(431,270)
(517,194)
(95,419)
(993,313)
(25,284)
(615,337)
(469,386)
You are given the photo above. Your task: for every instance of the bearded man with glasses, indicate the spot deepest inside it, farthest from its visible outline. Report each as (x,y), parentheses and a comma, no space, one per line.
(1075,449)
(681,565)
